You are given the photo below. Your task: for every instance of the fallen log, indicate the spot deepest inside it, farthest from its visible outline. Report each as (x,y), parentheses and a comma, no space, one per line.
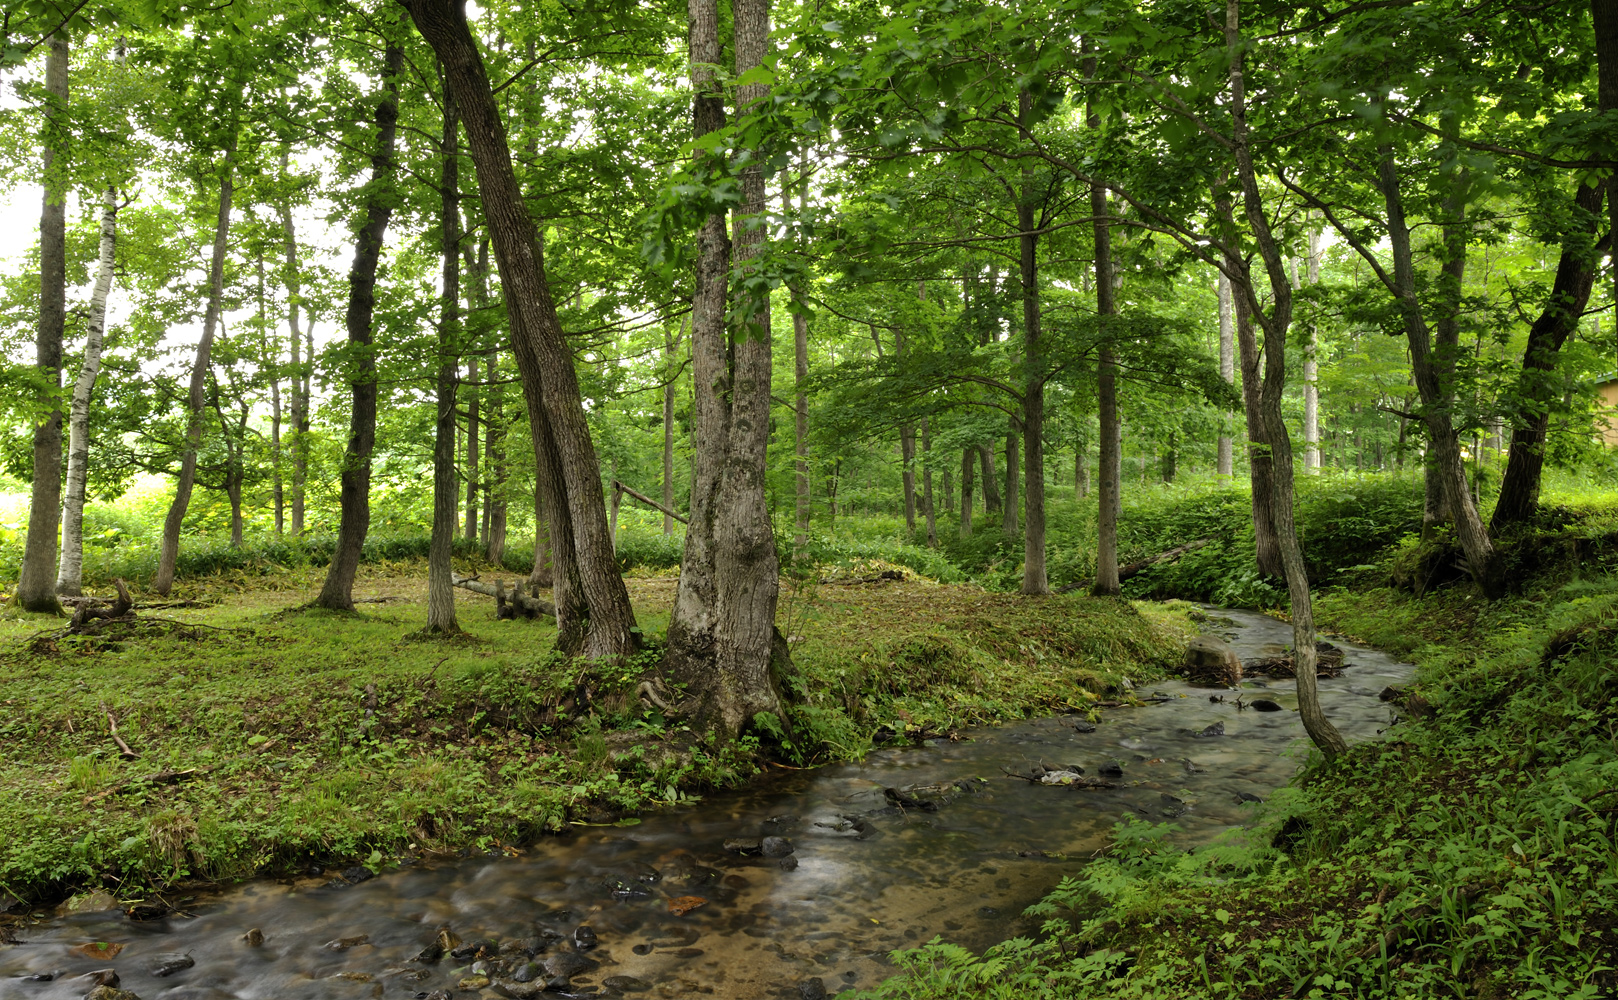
(520,603)
(1125,572)
(89,612)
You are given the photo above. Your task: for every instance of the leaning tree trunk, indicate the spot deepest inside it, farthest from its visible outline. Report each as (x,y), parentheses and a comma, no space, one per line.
(1432,361)
(722,640)
(446,498)
(1260,459)
(1226,462)
(35,587)
(70,572)
(1320,730)
(575,500)
(1109,470)
(196,397)
(355,490)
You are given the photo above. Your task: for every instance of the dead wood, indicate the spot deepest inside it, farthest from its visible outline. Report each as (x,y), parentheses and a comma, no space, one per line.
(643,498)
(520,604)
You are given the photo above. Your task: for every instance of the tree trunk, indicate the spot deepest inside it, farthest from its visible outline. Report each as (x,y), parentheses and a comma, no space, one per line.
(1034,579)
(949,488)
(35,588)
(722,637)
(273,357)
(1009,513)
(991,485)
(473,449)
(1260,464)
(927,483)
(354,492)
(70,571)
(670,345)
(1311,371)
(800,353)
(1226,462)
(1324,735)
(300,383)
(1109,471)
(574,500)
(1432,363)
(200,367)
(1081,472)
(1170,465)
(907,474)
(446,501)
(969,461)
(540,575)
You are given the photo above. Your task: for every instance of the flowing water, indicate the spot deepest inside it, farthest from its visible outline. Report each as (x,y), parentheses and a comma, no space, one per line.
(870,876)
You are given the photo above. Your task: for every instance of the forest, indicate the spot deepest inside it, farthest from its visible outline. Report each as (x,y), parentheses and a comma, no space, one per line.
(743,499)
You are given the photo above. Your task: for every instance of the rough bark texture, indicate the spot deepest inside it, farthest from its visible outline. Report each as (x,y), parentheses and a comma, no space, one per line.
(1226,462)
(473,450)
(1260,464)
(70,571)
(440,572)
(36,589)
(1432,364)
(990,479)
(1034,579)
(354,493)
(575,502)
(1324,735)
(201,365)
(722,636)
(670,344)
(1109,470)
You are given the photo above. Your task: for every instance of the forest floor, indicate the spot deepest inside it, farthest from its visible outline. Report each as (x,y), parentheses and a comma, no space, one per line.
(263,737)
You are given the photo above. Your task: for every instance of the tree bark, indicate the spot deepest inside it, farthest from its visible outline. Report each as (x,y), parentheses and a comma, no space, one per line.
(1311,371)
(446,500)
(1226,462)
(1109,465)
(722,636)
(1432,363)
(70,571)
(927,483)
(1009,513)
(35,586)
(574,501)
(473,449)
(299,415)
(354,492)
(671,344)
(1034,578)
(272,352)
(969,461)
(1324,735)
(991,485)
(196,397)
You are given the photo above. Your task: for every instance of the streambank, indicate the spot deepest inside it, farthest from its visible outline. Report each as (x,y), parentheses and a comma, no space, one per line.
(948,838)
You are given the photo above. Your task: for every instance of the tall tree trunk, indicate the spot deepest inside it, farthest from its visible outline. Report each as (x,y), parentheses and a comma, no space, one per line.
(800,358)
(907,474)
(1324,735)
(1226,462)
(969,462)
(446,501)
(990,479)
(1575,278)
(1170,465)
(927,483)
(299,416)
(354,492)
(473,449)
(35,588)
(1536,386)
(575,502)
(1034,579)
(1109,464)
(1311,370)
(1010,511)
(1432,363)
(70,571)
(196,397)
(722,639)
(949,488)
(671,343)
(272,351)
(541,575)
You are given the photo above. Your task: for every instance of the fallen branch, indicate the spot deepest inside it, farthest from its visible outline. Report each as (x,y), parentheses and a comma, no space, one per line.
(1135,568)
(123,747)
(88,612)
(643,498)
(163,777)
(528,607)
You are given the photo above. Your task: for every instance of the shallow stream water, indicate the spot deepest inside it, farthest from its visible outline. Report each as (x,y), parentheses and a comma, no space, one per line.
(869,876)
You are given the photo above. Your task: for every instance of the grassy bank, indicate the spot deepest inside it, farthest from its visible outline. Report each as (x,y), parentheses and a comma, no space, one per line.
(1473,853)
(270,740)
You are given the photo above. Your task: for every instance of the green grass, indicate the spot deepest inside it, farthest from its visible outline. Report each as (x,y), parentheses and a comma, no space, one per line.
(471,744)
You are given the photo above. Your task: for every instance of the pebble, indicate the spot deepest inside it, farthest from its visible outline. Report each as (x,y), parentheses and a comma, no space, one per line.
(789,864)
(776,847)
(1084,726)
(1217,729)
(357,874)
(1112,769)
(1264,705)
(584,938)
(629,984)
(255,937)
(812,989)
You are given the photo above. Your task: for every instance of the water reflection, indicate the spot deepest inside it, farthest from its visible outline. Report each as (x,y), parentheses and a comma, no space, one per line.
(675,913)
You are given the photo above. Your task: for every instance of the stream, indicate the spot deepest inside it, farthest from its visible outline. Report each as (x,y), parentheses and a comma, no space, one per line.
(670,911)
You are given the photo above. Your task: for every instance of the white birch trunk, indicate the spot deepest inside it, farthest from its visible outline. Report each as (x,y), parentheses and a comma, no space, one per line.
(70,569)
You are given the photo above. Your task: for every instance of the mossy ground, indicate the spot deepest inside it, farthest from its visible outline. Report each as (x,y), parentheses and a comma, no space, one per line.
(307,736)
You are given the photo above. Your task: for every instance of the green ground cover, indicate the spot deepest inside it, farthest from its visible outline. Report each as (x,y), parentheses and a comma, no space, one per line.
(271,738)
